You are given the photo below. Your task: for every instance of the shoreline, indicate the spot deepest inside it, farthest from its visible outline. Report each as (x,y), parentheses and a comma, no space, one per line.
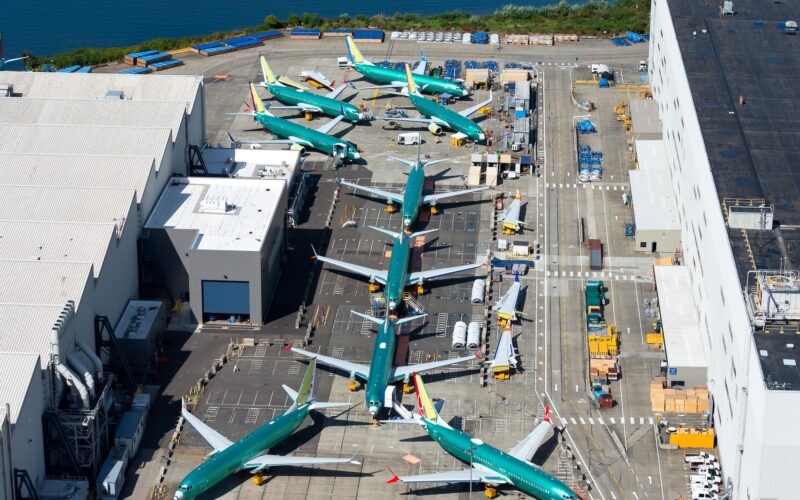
(597,18)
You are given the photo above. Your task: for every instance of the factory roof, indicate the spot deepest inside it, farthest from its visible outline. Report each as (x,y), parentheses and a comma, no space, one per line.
(79,139)
(251,163)
(753,148)
(36,320)
(681,322)
(106,112)
(67,241)
(228,214)
(779,355)
(14,368)
(77,170)
(654,205)
(43,282)
(644,117)
(98,85)
(61,204)
(651,154)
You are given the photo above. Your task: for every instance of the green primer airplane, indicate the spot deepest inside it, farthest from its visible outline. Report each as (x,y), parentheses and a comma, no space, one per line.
(309,102)
(250,452)
(297,136)
(488,465)
(396,79)
(413,197)
(436,116)
(397,278)
(379,373)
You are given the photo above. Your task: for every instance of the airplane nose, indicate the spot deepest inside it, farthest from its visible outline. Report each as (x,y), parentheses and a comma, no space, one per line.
(392,304)
(356,156)
(178,495)
(481,136)
(406,222)
(373,410)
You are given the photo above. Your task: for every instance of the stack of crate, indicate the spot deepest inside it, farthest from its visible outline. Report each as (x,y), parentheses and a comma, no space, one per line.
(694,400)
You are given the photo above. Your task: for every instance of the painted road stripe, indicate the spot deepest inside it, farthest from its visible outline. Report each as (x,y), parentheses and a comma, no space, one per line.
(641,420)
(583,422)
(591,421)
(600,421)
(650,420)
(631,420)
(573,421)
(612,420)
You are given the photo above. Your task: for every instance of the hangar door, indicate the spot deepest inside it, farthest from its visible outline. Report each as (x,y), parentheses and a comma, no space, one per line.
(225,298)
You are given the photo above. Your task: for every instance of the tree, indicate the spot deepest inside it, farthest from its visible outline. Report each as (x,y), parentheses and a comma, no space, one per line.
(272,22)
(293,19)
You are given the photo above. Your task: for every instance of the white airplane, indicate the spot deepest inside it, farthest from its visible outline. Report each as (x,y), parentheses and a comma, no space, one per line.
(510,216)
(505,357)
(317,78)
(506,307)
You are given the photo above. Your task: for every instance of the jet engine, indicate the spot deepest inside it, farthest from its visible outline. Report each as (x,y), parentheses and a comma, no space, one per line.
(297,147)
(435,129)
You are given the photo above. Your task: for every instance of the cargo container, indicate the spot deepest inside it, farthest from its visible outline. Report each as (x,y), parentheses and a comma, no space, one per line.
(478,288)
(129,431)
(131,58)
(595,255)
(112,474)
(692,438)
(146,61)
(459,335)
(473,335)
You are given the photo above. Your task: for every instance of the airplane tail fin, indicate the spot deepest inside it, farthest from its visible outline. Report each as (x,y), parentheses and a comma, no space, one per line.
(412,85)
(377,321)
(420,233)
(386,232)
(353,54)
(258,104)
(547,414)
(427,409)
(306,392)
(269,76)
(409,318)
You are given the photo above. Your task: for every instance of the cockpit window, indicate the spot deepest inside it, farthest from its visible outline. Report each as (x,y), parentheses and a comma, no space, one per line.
(185,488)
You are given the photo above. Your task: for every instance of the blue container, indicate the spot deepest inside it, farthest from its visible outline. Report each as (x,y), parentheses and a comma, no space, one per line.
(206,46)
(265,35)
(136,55)
(85,69)
(135,71)
(71,69)
(519,113)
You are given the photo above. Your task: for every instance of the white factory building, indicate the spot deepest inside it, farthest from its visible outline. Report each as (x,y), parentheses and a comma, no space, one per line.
(726,91)
(655,211)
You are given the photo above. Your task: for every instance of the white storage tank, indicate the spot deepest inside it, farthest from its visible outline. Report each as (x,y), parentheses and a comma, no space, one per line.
(478,287)
(473,335)
(459,335)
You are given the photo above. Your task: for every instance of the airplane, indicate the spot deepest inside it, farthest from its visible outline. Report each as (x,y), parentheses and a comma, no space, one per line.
(316,79)
(413,198)
(397,278)
(298,136)
(505,356)
(395,79)
(250,452)
(437,116)
(379,373)
(510,216)
(506,307)
(309,102)
(3,60)
(487,464)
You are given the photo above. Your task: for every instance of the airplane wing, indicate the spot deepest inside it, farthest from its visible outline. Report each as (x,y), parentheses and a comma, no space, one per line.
(361,371)
(525,449)
(475,474)
(378,275)
(380,193)
(262,462)
(450,194)
(217,441)
(329,126)
(269,141)
(507,305)
(401,372)
(401,119)
(14,59)
(505,354)
(335,93)
(472,109)
(418,276)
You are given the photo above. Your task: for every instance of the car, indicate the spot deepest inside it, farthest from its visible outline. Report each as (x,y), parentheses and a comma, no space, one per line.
(700,458)
(703,485)
(703,495)
(708,478)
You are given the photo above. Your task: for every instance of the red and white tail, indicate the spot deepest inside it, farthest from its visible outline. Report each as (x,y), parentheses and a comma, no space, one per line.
(394,477)
(547,414)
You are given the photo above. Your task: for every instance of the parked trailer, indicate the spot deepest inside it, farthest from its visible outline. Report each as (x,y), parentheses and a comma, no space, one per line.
(478,287)
(459,335)
(473,335)
(595,255)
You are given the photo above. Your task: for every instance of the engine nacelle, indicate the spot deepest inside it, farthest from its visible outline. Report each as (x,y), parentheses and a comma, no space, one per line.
(435,129)
(297,147)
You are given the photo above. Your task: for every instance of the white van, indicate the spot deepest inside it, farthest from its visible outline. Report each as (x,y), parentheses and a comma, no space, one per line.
(409,139)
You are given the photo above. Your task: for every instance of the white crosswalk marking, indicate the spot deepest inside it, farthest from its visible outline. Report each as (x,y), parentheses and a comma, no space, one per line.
(650,420)
(612,420)
(600,421)
(631,420)
(573,421)
(583,422)
(591,421)
(563,422)
(641,420)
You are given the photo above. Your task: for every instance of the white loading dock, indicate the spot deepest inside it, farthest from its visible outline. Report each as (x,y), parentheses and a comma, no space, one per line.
(687,362)
(21,427)
(644,120)
(655,210)
(220,242)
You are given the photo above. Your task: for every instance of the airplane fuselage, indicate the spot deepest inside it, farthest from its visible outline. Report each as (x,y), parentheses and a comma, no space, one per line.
(230,460)
(412,197)
(331,107)
(307,136)
(380,366)
(425,83)
(524,475)
(446,117)
(397,277)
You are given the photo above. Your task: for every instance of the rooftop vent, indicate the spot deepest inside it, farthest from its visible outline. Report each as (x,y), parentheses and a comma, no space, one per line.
(790,28)
(727,8)
(115,94)
(763,353)
(216,205)
(789,362)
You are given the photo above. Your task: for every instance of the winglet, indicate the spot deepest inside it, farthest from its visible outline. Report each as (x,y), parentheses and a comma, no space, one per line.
(412,86)
(353,54)
(269,76)
(547,414)
(394,478)
(314,257)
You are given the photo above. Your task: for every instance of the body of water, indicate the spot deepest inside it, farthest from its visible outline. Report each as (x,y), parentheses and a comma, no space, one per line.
(46,26)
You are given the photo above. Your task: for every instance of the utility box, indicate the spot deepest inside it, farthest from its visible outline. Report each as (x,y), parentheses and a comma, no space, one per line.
(129,431)
(139,332)
(595,255)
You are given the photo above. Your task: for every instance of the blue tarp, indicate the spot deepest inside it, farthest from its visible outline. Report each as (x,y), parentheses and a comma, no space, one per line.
(304,32)
(135,71)
(266,34)
(165,64)
(135,55)
(209,45)
(71,69)
(368,35)
(154,57)
(85,69)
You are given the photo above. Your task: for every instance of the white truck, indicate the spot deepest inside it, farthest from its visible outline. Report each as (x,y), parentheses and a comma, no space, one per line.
(409,139)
